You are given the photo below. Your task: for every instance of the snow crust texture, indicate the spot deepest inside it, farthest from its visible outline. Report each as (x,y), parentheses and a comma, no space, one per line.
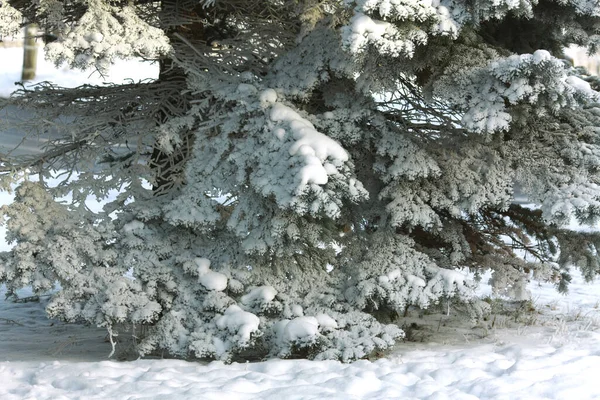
(483,372)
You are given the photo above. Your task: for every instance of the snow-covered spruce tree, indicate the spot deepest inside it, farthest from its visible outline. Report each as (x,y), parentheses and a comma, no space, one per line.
(301,170)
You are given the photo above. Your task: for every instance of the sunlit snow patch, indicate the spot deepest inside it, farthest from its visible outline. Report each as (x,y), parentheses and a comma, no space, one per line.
(261,294)
(211,280)
(239,322)
(313,146)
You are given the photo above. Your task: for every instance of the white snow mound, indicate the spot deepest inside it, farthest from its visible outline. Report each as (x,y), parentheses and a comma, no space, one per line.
(213,281)
(301,328)
(238,321)
(326,322)
(261,294)
(313,146)
(203,265)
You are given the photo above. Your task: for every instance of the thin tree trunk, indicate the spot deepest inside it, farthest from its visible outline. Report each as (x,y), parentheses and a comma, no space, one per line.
(29,53)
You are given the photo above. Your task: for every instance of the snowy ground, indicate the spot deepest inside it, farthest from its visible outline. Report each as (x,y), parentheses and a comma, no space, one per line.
(550,353)
(547,349)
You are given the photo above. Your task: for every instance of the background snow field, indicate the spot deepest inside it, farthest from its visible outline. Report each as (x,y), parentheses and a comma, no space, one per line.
(556,358)
(121,72)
